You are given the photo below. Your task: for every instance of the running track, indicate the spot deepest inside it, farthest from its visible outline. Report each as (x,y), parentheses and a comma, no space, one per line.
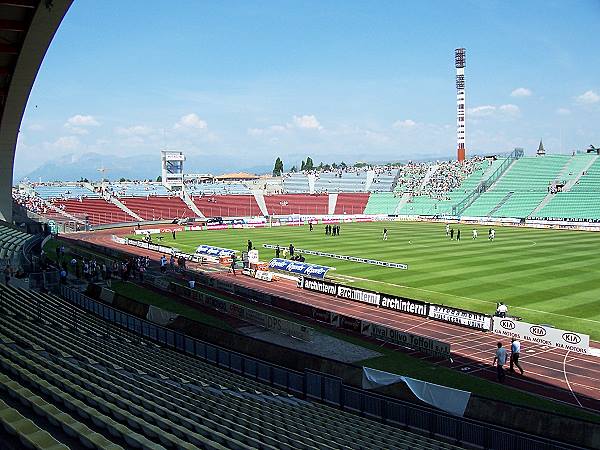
(554,373)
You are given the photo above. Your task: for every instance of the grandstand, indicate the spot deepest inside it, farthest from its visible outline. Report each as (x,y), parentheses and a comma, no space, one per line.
(114,390)
(12,241)
(578,199)
(297,204)
(158,208)
(63,191)
(342,181)
(228,206)
(295,183)
(95,211)
(553,187)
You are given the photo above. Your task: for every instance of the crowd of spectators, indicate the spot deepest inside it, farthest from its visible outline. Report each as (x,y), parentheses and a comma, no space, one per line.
(448,176)
(30,202)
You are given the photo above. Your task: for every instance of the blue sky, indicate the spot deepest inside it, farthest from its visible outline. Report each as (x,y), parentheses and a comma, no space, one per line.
(248,81)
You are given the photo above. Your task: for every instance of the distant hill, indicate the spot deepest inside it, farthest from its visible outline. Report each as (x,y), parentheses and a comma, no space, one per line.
(73,167)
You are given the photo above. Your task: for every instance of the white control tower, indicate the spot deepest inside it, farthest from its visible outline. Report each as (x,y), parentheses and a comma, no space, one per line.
(172,169)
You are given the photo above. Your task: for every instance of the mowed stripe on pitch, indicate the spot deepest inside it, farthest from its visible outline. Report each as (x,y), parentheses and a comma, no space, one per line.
(541,270)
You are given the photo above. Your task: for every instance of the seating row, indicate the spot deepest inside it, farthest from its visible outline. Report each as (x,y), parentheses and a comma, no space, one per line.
(109,389)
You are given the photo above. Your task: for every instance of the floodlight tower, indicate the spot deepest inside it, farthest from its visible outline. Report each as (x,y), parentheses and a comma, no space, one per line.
(460,63)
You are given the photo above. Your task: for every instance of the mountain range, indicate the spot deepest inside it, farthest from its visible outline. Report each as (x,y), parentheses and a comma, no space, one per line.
(73,167)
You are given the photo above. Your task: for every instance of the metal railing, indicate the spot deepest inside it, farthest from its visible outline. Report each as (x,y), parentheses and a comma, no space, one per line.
(323,387)
(482,187)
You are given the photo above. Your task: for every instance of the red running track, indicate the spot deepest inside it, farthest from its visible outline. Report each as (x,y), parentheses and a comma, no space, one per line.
(549,372)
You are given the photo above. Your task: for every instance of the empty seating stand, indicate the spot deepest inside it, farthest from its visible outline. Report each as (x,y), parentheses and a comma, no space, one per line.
(351,203)
(228,205)
(158,208)
(96,211)
(11,241)
(70,383)
(297,204)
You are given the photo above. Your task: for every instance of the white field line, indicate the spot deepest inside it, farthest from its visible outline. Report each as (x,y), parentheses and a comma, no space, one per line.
(469,298)
(567,379)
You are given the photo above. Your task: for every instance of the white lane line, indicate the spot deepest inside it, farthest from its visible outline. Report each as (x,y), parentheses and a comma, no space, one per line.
(417,325)
(567,379)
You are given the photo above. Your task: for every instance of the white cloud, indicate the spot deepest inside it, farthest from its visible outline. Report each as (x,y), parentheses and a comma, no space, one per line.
(510,109)
(521,92)
(563,111)
(588,98)
(482,111)
(404,124)
(36,127)
(191,122)
(79,120)
(307,122)
(273,129)
(66,143)
(78,123)
(135,130)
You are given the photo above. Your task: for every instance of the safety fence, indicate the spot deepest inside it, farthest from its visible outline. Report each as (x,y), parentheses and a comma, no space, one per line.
(325,388)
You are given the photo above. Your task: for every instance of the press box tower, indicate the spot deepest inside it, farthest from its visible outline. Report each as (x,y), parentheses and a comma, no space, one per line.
(172,169)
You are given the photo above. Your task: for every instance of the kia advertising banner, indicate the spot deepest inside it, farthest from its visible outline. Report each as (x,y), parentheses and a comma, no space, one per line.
(542,335)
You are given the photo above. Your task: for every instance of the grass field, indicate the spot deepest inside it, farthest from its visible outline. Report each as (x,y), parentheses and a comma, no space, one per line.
(545,276)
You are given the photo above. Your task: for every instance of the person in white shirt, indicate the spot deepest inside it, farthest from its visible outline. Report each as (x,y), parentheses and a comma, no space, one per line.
(492,234)
(515,352)
(499,361)
(474,234)
(447,229)
(501,310)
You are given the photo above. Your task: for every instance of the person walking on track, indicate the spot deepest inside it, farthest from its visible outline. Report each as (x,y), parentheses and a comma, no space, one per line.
(515,352)
(499,361)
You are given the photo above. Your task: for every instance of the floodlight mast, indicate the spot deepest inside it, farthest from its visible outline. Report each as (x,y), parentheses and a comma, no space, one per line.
(460,63)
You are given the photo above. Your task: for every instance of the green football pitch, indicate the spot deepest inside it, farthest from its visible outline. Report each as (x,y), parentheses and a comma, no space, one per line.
(544,276)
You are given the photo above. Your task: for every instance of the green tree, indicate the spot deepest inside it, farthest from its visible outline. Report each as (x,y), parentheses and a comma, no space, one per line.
(294,169)
(159,179)
(278,168)
(303,166)
(309,164)
(121,180)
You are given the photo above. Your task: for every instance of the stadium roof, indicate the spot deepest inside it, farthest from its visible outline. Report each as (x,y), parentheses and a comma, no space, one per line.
(237,176)
(26,30)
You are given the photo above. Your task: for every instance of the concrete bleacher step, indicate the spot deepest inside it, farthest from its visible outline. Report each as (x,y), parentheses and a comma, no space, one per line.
(260,201)
(190,203)
(115,201)
(331,202)
(500,203)
(170,412)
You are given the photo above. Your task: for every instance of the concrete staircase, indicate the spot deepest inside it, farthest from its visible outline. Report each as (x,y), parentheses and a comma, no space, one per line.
(403,201)
(311,183)
(500,203)
(543,203)
(115,201)
(567,187)
(260,201)
(370,178)
(64,213)
(332,202)
(427,177)
(190,203)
